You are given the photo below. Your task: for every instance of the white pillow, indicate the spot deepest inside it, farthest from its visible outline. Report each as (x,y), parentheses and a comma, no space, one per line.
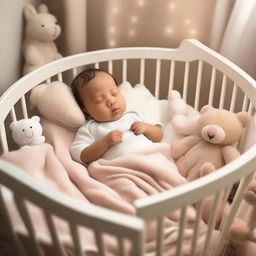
(56,103)
(141,100)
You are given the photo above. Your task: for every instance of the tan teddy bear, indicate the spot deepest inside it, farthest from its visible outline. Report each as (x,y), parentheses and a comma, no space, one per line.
(41,31)
(212,146)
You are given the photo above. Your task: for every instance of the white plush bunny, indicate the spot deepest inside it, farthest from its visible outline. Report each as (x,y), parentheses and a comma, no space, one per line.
(184,118)
(27,132)
(41,31)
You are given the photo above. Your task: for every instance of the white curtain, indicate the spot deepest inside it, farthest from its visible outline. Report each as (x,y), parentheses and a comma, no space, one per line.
(234,32)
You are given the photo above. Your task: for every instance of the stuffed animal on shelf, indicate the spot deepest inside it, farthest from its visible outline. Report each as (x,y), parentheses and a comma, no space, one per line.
(183,117)
(27,132)
(212,145)
(40,32)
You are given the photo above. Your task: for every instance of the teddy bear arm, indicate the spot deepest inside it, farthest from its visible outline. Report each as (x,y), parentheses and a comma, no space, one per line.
(180,147)
(230,153)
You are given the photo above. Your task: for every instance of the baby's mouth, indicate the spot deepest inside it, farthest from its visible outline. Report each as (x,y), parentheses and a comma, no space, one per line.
(114,110)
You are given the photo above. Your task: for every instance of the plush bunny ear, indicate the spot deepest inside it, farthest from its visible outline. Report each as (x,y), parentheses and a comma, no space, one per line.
(42,8)
(205,108)
(13,124)
(35,118)
(244,118)
(29,12)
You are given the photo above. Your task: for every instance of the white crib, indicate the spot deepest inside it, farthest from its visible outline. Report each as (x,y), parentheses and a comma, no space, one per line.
(217,81)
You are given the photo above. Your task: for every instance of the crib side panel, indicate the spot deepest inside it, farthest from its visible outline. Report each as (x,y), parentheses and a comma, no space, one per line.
(36,210)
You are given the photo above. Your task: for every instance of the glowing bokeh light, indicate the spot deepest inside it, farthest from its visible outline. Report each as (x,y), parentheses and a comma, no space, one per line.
(134,19)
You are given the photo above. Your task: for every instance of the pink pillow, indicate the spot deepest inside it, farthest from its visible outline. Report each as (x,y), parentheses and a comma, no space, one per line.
(56,103)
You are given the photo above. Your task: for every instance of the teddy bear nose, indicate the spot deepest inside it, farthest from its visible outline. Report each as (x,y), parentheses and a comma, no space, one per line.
(211,132)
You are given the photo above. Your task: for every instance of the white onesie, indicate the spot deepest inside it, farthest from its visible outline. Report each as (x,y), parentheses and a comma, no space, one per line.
(93,131)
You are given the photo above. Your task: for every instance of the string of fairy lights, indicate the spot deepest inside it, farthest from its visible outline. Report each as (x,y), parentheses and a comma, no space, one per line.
(134,21)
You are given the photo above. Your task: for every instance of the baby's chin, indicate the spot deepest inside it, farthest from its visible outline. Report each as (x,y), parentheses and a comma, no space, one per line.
(113,117)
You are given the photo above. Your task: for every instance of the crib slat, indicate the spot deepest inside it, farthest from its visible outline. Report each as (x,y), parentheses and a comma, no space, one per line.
(160,230)
(212,222)
(4,143)
(243,208)
(236,202)
(158,70)
(252,223)
(223,91)
(250,109)
(225,199)
(54,234)
(29,225)
(196,228)
(185,83)
(110,67)
(99,242)
(171,78)
(245,102)
(4,210)
(13,114)
(233,98)
(124,76)
(212,86)
(121,250)
(76,240)
(74,72)
(96,65)
(60,79)
(24,107)
(182,224)
(198,84)
(142,71)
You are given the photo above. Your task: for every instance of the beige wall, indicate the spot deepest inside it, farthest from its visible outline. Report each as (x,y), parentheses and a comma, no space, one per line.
(11,27)
(163,23)
(105,24)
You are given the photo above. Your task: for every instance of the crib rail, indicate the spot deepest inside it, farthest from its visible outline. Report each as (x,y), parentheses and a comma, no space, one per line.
(157,207)
(76,213)
(203,77)
(189,51)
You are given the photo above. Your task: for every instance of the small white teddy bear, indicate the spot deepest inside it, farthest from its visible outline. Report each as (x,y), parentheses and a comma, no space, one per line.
(27,131)
(41,30)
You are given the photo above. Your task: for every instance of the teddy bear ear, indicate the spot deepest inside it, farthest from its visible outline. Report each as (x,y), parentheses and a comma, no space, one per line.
(205,108)
(244,118)
(42,8)
(12,124)
(35,118)
(29,11)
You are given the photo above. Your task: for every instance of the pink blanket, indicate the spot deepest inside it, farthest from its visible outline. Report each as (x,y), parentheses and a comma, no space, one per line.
(114,184)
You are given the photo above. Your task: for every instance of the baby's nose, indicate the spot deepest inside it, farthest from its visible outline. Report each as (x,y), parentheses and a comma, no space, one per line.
(111,102)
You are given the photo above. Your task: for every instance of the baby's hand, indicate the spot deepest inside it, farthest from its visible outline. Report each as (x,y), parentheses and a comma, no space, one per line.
(138,128)
(114,137)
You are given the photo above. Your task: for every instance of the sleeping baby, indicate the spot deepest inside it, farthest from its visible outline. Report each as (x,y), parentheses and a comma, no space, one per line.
(110,131)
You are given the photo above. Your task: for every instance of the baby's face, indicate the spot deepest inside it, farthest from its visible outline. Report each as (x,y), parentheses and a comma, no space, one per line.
(102,99)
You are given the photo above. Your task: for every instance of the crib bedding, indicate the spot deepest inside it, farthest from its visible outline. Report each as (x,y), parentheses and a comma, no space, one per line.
(114,184)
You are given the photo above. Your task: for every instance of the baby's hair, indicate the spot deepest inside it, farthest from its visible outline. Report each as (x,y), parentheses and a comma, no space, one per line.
(82,79)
